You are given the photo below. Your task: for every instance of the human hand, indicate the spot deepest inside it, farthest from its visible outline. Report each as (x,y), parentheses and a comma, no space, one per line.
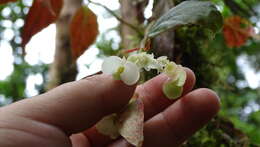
(65,116)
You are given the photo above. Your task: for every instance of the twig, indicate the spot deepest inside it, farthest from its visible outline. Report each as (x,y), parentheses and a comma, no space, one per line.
(236,8)
(249,7)
(117,17)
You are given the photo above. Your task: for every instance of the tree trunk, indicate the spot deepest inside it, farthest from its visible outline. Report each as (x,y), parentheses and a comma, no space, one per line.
(63,69)
(132,11)
(163,45)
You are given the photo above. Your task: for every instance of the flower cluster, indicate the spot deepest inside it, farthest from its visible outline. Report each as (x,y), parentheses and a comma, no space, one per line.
(128,70)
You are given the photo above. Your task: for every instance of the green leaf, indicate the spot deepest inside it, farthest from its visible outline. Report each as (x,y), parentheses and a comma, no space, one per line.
(188,13)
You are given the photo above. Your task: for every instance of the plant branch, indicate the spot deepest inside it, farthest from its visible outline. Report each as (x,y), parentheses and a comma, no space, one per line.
(118,18)
(236,8)
(249,7)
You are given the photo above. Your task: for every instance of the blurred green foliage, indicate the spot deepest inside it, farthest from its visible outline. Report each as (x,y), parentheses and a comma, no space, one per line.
(216,66)
(13,87)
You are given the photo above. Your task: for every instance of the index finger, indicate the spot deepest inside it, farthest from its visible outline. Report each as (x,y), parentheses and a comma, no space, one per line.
(75,106)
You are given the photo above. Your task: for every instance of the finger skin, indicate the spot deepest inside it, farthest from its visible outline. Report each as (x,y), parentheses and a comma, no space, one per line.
(154,102)
(120,143)
(79,140)
(75,106)
(182,119)
(179,121)
(152,95)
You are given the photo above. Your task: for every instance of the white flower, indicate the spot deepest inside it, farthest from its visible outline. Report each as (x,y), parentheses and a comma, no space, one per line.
(121,69)
(162,62)
(144,60)
(129,71)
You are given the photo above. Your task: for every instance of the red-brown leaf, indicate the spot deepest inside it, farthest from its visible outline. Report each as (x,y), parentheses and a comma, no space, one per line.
(237,31)
(6,1)
(83,31)
(41,14)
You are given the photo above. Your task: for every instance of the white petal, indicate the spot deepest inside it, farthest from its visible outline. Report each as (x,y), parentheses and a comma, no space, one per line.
(110,64)
(131,73)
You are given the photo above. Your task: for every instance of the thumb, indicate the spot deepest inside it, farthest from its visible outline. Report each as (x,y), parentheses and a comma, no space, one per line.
(75,106)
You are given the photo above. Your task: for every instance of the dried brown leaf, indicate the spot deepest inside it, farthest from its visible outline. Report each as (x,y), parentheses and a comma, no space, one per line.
(131,122)
(107,126)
